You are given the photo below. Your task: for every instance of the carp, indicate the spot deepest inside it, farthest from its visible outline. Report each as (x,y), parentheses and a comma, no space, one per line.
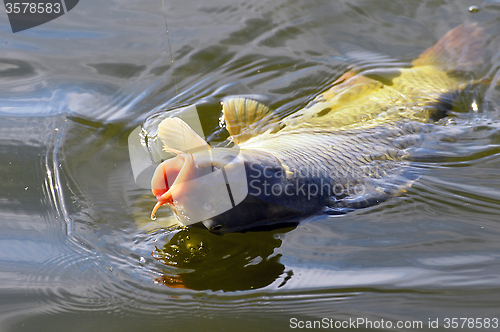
(347,149)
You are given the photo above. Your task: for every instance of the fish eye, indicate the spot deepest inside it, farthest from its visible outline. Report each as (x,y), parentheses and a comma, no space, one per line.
(216,228)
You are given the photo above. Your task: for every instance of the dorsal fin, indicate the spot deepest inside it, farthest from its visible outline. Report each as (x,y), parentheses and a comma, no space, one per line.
(176,134)
(242,114)
(461,49)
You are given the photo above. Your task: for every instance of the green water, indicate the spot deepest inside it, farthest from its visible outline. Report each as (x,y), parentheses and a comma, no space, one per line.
(72,256)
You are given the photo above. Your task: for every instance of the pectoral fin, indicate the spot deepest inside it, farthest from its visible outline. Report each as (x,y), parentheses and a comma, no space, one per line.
(177,135)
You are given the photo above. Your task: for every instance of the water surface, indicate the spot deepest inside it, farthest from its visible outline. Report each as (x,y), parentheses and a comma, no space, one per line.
(74,254)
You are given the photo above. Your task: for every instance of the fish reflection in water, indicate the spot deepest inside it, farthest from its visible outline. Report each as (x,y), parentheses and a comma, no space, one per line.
(236,261)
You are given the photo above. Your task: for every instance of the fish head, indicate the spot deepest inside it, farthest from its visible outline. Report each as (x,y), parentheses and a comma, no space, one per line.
(217,187)
(198,185)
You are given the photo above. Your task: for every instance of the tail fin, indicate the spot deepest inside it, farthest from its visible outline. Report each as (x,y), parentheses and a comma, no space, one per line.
(460,50)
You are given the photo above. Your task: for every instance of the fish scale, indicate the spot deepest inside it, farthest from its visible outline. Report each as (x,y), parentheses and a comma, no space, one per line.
(333,154)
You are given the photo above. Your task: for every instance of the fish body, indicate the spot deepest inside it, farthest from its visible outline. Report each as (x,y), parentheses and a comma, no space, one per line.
(347,149)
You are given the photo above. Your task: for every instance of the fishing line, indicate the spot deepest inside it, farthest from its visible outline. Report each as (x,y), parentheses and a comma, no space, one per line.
(172,62)
(170,50)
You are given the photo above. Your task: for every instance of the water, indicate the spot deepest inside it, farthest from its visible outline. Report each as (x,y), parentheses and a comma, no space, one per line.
(76,252)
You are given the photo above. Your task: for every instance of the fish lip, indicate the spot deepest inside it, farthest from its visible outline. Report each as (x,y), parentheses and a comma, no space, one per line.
(181,164)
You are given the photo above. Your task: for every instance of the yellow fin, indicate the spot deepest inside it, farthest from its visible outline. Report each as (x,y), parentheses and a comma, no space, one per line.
(178,135)
(461,49)
(243,114)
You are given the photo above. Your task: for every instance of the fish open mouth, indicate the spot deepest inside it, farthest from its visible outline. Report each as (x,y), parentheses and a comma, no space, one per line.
(167,179)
